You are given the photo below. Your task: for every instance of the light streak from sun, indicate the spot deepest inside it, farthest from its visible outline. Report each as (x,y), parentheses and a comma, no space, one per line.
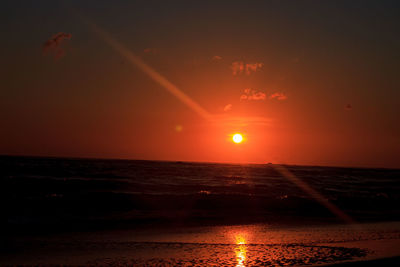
(313,193)
(152,73)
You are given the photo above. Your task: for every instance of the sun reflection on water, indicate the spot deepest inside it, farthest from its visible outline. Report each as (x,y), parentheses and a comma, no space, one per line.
(240,250)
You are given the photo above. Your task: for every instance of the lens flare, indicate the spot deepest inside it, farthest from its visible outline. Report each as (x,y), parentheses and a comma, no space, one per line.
(152,73)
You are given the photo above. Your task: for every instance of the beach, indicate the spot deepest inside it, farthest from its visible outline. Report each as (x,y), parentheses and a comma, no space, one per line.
(236,245)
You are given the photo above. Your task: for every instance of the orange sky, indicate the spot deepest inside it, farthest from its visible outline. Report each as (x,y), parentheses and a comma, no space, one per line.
(303,84)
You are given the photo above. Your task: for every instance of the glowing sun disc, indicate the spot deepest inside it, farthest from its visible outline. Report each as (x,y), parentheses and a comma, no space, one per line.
(237,138)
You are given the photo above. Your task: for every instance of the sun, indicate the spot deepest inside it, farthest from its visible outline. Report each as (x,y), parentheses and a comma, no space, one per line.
(237,138)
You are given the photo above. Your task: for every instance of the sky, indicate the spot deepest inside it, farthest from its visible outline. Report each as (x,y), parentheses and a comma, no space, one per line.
(305,82)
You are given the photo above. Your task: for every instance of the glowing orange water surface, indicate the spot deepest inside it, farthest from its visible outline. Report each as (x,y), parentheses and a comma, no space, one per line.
(240,250)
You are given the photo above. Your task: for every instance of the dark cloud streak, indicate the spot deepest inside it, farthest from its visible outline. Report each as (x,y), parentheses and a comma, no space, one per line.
(54,44)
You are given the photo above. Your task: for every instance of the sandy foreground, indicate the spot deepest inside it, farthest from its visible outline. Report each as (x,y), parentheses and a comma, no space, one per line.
(238,245)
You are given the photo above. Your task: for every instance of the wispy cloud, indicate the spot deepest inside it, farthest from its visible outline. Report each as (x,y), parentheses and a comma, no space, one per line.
(54,44)
(239,67)
(240,121)
(228,107)
(278,96)
(251,94)
(216,58)
(253,67)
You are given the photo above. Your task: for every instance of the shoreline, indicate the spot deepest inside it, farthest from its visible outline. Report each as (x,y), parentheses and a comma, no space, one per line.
(323,245)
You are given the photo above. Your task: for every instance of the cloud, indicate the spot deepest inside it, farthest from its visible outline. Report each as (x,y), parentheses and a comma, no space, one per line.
(253,67)
(228,107)
(54,44)
(278,96)
(240,121)
(251,94)
(239,67)
(251,120)
(216,58)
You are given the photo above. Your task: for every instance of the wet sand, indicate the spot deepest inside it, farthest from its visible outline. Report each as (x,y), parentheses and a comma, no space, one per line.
(392,261)
(238,245)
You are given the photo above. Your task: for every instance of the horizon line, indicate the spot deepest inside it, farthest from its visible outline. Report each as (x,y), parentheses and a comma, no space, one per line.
(193,161)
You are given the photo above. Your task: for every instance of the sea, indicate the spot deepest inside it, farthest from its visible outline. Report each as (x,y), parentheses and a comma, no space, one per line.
(108,212)
(68,193)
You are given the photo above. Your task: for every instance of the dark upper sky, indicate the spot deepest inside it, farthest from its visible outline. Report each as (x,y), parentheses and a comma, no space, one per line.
(306,82)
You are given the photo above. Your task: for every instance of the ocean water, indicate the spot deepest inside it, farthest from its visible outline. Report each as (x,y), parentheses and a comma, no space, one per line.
(60,211)
(63,193)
